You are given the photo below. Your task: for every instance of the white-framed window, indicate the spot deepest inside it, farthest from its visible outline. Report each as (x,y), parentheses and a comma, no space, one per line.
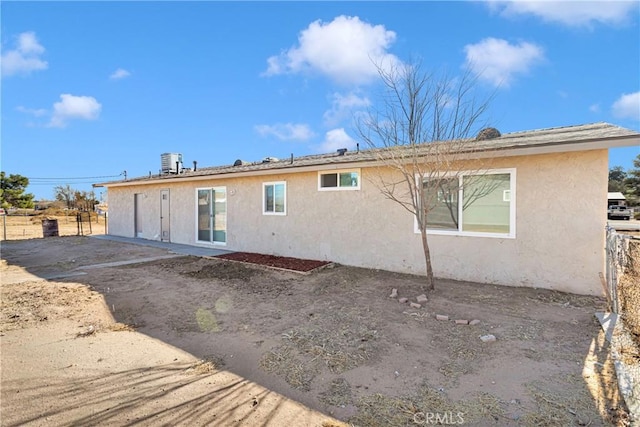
(346,179)
(274,198)
(472,204)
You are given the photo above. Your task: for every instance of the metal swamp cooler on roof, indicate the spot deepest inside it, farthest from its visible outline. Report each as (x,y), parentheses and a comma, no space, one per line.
(171,163)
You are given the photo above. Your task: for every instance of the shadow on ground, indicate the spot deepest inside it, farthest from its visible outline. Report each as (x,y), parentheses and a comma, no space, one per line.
(337,343)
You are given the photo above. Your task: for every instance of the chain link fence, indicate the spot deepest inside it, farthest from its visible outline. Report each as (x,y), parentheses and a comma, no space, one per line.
(623,293)
(623,277)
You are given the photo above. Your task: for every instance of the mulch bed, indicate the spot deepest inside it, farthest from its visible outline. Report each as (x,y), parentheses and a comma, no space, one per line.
(296,264)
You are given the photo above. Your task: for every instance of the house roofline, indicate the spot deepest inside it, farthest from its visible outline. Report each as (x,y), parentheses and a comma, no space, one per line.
(483,153)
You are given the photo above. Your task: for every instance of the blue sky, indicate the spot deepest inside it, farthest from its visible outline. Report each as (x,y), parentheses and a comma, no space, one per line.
(91,89)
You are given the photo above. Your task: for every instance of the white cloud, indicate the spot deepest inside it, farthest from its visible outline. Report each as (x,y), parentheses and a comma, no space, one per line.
(346,50)
(25,58)
(286,131)
(73,107)
(120,73)
(342,106)
(498,61)
(335,139)
(627,106)
(594,108)
(39,112)
(571,13)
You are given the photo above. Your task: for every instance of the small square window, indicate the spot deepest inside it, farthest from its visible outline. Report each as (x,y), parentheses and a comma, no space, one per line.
(274,198)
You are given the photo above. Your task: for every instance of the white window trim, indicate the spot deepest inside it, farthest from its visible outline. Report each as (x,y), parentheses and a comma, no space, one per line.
(206,242)
(512,207)
(264,205)
(339,171)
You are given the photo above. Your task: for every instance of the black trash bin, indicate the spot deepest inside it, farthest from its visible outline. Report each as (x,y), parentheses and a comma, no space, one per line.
(50,228)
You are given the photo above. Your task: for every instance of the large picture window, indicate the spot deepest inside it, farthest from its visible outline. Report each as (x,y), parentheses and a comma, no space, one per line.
(274,198)
(478,204)
(339,180)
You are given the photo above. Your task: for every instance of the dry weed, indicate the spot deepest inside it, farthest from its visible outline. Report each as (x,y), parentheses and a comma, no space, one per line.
(527,331)
(462,346)
(556,407)
(378,410)
(338,394)
(281,362)
(202,367)
(567,300)
(121,327)
(342,340)
(334,424)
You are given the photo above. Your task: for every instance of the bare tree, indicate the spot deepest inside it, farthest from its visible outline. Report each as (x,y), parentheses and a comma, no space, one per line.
(75,199)
(64,194)
(420,135)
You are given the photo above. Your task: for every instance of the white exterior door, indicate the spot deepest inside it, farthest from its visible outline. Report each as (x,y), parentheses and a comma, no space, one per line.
(165,235)
(211,215)
(137,214)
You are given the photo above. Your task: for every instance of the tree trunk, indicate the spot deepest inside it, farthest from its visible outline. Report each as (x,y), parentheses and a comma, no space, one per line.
(427,260)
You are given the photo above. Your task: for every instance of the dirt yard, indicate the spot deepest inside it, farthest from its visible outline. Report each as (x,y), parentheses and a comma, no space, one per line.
(198,341)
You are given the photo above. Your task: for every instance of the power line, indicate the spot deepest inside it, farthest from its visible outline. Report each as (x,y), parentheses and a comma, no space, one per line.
(79,177)
(58,182)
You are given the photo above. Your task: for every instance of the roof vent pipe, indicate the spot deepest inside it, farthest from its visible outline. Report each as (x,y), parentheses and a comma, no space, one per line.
(195,165)
(341,151)
(291,158)
(358,146)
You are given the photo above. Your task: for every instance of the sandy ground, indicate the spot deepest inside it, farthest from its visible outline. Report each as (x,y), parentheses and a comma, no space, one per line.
(20,227)
(196,341)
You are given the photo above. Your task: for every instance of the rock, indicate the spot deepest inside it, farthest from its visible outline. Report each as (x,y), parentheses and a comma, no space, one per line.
(394,293)
(474,322)
(415,305)
(441,317)
(488,338)
(462,322)
(422,299)
(403,300)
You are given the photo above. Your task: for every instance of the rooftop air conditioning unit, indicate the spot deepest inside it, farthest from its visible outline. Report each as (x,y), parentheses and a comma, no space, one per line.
(171,163)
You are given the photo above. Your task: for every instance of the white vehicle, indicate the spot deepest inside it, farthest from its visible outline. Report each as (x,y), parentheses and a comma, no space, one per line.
(619,212)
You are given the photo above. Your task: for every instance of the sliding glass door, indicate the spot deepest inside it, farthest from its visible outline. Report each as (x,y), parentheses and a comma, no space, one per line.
(212,215)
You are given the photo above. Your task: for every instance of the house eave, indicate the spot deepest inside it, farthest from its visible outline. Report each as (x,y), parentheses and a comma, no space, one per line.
(486,152)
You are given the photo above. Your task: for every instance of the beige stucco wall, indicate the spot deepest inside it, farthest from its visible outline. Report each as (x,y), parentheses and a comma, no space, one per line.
(559,224)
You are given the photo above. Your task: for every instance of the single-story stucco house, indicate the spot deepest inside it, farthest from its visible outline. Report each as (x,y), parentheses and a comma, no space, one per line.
(543,226)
